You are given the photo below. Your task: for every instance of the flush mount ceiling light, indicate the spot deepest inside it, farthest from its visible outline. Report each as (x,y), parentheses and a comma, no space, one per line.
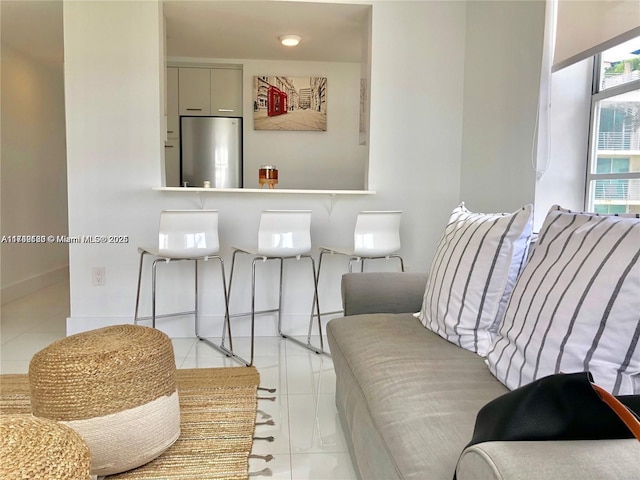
(290,40)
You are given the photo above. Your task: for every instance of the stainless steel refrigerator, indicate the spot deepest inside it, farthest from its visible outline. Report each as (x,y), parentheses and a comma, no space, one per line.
(211,151)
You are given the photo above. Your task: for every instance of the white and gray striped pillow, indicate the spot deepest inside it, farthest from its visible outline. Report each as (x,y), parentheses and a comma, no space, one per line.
(576,305)
(472,274)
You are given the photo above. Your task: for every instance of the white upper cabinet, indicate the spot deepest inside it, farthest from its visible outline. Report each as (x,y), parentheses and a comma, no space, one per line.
(226,92)
(173,109)
(194,85)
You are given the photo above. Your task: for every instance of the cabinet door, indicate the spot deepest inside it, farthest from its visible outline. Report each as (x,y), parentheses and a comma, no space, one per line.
(226,92)
(173,109)
(172,162)
(194,85)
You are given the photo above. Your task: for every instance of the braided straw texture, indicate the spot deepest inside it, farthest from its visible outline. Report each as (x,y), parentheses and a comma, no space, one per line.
(218,410)
(100,372)
(36,448)
(218,413)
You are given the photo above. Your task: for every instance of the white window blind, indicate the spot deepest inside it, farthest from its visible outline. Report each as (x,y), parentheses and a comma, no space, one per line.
(585,28)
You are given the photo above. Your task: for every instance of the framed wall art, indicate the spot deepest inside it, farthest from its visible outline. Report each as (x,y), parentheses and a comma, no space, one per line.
(290,103)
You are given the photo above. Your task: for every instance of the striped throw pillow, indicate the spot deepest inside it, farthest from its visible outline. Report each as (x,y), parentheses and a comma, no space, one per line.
(576,305)
(472,274)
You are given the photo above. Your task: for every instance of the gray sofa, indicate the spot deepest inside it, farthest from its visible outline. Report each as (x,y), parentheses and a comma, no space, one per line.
(408,399)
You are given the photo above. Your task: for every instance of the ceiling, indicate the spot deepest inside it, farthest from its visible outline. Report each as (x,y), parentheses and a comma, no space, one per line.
(232,29)
(331,32)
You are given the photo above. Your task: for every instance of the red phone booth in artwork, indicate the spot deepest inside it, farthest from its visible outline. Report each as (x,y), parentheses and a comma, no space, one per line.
(278,102)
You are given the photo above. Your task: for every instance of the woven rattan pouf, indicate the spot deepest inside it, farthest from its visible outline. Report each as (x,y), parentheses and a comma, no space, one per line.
(37,448)
(116,387)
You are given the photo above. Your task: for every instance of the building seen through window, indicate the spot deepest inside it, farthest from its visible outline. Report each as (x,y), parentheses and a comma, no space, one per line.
(614,173)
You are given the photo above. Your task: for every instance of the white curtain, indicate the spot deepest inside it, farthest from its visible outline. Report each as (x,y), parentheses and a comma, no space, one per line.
(587,27)
(574,31)
(543,124)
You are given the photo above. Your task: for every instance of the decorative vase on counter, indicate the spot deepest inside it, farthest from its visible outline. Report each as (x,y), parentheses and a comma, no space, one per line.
(268,174)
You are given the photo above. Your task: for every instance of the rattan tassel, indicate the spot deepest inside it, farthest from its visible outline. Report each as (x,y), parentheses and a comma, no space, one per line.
(266,458)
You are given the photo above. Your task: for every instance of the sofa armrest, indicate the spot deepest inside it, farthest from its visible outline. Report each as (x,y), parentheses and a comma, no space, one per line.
(583,459)
(382,292)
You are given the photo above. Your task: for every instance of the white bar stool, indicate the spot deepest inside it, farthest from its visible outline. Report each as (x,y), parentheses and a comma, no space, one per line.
(376,236)
(282,235)
(185,235)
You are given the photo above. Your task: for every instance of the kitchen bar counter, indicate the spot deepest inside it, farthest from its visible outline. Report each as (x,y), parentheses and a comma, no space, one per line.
(268,191)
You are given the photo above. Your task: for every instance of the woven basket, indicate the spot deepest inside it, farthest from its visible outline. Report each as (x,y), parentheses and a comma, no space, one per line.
(35,448)
(116,387)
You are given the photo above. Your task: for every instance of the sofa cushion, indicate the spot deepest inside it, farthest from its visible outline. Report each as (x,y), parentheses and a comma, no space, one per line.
(575,306)
(472,274)
(407,391)
(382,292)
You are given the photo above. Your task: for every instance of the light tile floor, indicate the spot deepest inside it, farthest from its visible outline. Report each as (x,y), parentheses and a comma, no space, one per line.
(309,442)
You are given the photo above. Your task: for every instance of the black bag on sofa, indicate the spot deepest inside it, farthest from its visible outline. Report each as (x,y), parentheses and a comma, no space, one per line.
(557,407)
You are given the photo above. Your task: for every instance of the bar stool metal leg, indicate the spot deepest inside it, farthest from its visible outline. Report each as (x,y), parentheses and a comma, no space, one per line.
(228,297)
(316,303)
(309,345)
(153,292)
(229,351)
(195,286)
(226,328)
(233,264)
(135,315)
(315,288)
(401,261)
(253,307)
(280,299)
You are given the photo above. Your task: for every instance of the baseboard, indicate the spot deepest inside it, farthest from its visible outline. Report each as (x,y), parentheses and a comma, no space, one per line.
(33,284)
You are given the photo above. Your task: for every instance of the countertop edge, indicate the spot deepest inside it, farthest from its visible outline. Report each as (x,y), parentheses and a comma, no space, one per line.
(268,191)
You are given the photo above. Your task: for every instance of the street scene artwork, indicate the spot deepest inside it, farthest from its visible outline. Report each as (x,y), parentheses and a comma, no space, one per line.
(290,103)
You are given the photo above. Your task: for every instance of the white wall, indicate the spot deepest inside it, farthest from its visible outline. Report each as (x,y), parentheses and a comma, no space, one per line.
(112,72)
(112,65)
(34,184)
(333,159)
(502,74)
(417,75)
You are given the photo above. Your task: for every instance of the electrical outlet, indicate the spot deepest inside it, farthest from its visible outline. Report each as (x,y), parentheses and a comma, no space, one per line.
(98,276)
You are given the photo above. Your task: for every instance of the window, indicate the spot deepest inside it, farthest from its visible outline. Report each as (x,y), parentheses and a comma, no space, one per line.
(613,179)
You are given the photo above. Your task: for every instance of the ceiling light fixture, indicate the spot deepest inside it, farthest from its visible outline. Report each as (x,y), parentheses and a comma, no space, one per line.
(290,40)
